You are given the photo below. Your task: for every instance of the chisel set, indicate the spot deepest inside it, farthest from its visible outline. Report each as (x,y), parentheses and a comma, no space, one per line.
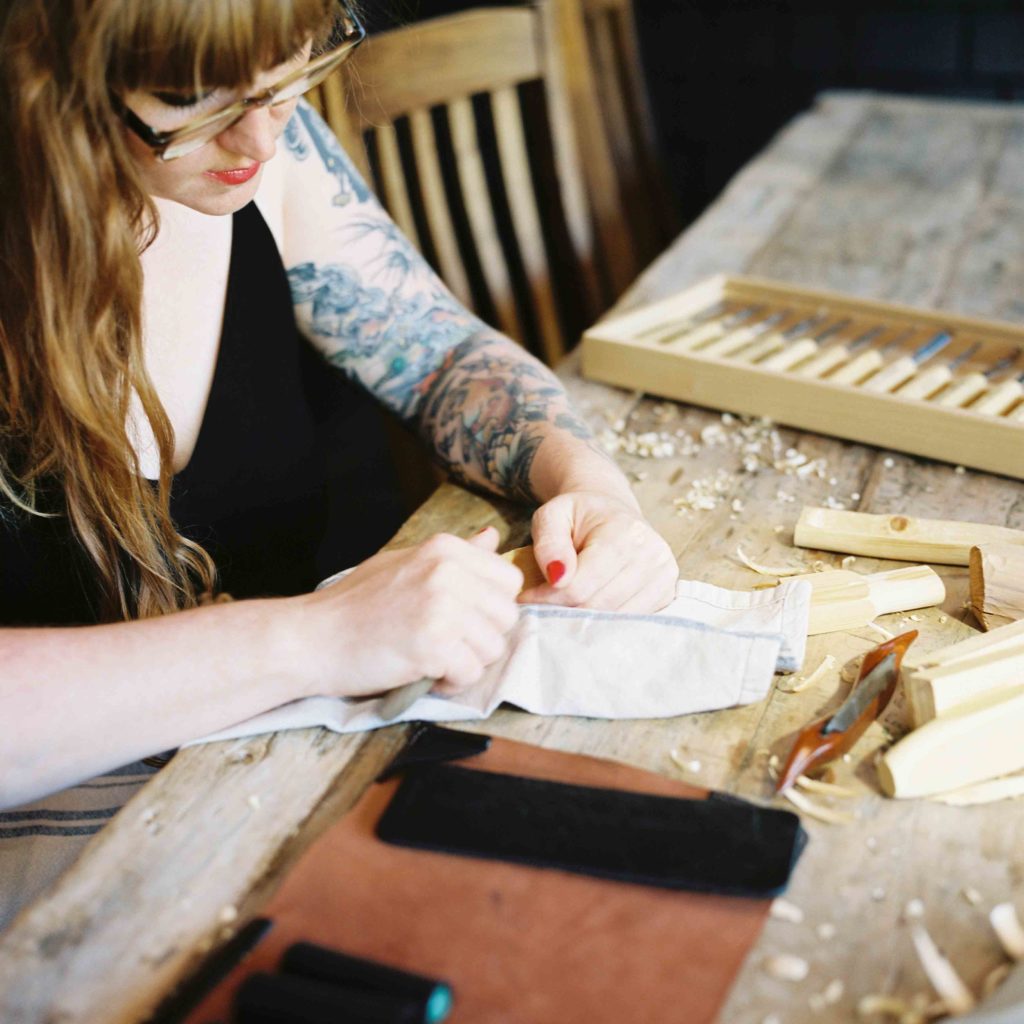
(924,382)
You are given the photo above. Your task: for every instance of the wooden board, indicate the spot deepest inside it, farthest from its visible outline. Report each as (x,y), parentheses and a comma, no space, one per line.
(630,351)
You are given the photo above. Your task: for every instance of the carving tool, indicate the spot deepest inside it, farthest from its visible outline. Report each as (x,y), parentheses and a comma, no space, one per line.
(1000,398)
(714,329)
(776,340)
(927,382)
(680,325)
(743,336)
(397,701)
(867,362)
(1018,413)
(833,355)
(825,740)
(968,387)
(899,371)
(801,348)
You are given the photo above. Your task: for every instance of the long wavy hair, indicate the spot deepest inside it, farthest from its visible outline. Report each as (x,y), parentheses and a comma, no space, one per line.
(74,218)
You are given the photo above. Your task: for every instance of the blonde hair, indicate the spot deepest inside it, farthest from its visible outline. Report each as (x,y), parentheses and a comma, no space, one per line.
(74,218)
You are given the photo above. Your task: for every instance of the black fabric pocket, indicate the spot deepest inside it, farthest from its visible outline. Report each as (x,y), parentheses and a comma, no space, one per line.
(719,845)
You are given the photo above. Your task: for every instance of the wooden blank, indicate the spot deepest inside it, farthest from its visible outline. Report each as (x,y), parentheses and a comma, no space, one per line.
(900,537)
(997,584)
(616,352)
(980,668)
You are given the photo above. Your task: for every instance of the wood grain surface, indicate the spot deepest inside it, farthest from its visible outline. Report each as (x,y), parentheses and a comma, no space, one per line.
(906,200)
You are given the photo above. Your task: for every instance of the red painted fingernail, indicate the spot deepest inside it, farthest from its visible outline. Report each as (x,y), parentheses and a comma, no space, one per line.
(555,571)
(478,532)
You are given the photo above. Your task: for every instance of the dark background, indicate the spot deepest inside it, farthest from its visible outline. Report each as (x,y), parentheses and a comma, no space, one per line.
(725,75)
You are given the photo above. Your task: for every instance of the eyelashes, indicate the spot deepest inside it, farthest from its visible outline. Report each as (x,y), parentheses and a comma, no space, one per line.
(181,101)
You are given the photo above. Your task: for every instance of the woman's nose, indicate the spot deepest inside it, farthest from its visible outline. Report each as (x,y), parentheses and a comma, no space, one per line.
(254,136)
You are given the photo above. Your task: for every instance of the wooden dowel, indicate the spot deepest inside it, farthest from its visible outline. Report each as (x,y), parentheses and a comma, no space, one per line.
(900,537)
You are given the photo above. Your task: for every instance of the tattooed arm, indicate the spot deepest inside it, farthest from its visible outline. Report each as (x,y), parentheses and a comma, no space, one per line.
(495,416)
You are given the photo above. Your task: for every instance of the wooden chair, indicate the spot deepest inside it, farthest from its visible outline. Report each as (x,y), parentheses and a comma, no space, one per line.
(482,134)
(618,77)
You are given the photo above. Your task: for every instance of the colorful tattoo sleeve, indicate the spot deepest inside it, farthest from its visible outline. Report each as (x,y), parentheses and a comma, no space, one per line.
(379,313)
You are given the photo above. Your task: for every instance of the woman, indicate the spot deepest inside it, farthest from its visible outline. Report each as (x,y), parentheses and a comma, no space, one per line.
(155,444)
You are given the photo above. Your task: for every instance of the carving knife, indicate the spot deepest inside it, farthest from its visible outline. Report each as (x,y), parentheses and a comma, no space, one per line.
(743,336)
(715,328)
(680,325)
(968,387)
(902,369)
(927,382)
(828,738)
(800,348)
(829,358)
(1000,398)
(780,339)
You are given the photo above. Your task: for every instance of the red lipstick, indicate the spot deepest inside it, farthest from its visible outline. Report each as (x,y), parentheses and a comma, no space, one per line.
(238,176)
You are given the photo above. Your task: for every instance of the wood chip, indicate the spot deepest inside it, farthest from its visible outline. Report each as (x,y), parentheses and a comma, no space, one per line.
(802,682)
(787,967)
(817,811)
(941,973)
(971,895)
(783,910)
(1006,925)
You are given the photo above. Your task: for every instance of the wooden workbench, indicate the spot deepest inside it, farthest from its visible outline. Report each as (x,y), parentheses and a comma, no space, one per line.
(912,201)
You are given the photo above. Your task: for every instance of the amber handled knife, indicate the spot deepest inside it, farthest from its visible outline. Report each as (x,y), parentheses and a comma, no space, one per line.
(825,740)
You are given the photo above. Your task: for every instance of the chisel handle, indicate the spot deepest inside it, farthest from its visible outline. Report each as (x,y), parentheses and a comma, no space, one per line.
(892,376)
(730,342)
(771,342)
(961,391)
(925,383)
(1018,414)
(795,352)
(858,368)
(685,340)
(827,359)
(999,399)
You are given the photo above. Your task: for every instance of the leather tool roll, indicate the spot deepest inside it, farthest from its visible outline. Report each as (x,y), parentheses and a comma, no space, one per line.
(519,944)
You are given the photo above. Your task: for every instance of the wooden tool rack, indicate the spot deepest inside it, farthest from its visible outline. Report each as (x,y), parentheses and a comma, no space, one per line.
(650,349)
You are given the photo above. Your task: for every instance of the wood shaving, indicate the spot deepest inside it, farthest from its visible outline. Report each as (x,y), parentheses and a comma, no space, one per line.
(846,562)
(880,630)
(941,973)
(913,910)
(826,931)
(817,811)
(890,1006)
(994,979)
(834,991)
(1008,787)
(1006,925)
(769,570)
(825,788)
(802,682)
(787,967)
(971,895)
(783,910)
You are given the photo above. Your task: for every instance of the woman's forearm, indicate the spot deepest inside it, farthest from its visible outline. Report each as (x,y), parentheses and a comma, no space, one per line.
(79,701)
(502,420)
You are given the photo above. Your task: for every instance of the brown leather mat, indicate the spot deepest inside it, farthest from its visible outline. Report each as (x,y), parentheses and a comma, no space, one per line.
(517,944)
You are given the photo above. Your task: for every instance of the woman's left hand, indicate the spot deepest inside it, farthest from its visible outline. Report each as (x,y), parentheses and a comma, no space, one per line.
(598,551)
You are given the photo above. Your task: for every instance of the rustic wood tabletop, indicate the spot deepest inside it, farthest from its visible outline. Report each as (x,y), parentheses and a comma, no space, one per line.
(899,199)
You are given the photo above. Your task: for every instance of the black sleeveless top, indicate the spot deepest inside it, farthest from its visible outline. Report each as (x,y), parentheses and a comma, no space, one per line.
(253,493)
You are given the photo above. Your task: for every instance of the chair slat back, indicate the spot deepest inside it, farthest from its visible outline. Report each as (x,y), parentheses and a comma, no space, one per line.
(482,134)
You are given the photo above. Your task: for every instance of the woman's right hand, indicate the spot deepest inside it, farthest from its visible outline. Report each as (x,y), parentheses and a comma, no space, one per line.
(440,610)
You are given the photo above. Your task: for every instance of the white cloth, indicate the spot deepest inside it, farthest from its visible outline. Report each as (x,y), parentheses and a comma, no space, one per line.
(709,649)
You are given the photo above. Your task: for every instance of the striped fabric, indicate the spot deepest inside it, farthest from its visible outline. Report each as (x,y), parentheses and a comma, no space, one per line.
(39,841)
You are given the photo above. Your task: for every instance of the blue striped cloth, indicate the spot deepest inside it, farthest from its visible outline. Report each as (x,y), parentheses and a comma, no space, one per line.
(40,840)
